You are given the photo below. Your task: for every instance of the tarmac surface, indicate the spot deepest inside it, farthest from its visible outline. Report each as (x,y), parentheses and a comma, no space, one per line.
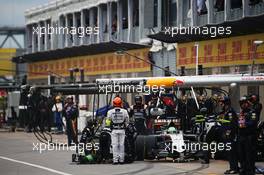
(19,156)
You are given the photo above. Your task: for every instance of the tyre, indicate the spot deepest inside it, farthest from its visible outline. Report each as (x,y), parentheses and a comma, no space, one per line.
(140,148)
(150,147)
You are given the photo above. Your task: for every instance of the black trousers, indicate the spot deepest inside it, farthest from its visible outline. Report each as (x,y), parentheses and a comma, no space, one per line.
(70,131)
(233,156)
(247,153)
(140,126)
(30,119)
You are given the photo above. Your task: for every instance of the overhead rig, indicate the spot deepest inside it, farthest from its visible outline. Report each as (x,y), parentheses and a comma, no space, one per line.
(166,82)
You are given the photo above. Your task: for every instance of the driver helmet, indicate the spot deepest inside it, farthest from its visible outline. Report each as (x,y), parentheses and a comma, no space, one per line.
(172,130)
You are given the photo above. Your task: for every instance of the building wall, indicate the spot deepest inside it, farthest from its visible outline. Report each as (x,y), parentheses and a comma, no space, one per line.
(140,16)
(232,51)
(164,59)
(93,65)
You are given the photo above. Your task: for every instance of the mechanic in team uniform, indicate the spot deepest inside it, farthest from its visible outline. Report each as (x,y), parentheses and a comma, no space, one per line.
(139,114)
(256,105)
(23,102)
(228,120)
(152,104)
(70,113)
(182,113)
(43,112)
(119,120)
(247,127)
(33,111)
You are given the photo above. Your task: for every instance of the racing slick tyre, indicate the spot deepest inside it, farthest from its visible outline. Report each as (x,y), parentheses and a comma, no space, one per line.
(150,145)
(140,148)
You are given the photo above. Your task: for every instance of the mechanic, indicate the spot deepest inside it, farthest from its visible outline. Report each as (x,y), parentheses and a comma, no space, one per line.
(201,101)
(228,120)
(57,109)
(43,111)
(70,112)
(138,113)
(169,106)
(256,105)
(215,98)
(105,140)
(209,104)
(23,112)
(247,127)
(32,107)
(119,121)
(182,113)
(150,118)
(192,111)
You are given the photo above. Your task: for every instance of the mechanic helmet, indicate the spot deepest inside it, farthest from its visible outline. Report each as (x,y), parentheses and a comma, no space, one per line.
(154,95)
(117,102)
(225,100)
(244,102)
(172,130)
(254,98)
(138,99)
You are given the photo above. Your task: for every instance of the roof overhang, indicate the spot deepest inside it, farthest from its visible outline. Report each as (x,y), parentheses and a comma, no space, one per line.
(244,26)
(91,49)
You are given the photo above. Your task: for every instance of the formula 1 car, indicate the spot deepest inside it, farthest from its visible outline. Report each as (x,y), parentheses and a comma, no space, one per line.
(169,143)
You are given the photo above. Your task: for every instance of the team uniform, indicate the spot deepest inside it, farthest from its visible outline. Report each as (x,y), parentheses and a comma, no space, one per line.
(119,120)
(247,127)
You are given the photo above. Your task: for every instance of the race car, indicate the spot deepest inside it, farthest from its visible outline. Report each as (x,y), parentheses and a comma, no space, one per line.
(170,143)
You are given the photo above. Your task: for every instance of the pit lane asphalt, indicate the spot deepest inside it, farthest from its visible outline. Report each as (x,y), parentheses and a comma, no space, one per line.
(17,157)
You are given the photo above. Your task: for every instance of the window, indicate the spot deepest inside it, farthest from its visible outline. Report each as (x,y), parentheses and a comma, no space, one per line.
(219,5)
(125,14)
(87,18)
(165,14)
(155,20)
(104,18)
(201,7)
(172,13)
(169,13)
(114,17)
(136,13)
(236,4)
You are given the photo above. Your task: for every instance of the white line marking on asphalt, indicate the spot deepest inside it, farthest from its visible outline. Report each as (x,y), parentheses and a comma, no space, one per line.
(34,165)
